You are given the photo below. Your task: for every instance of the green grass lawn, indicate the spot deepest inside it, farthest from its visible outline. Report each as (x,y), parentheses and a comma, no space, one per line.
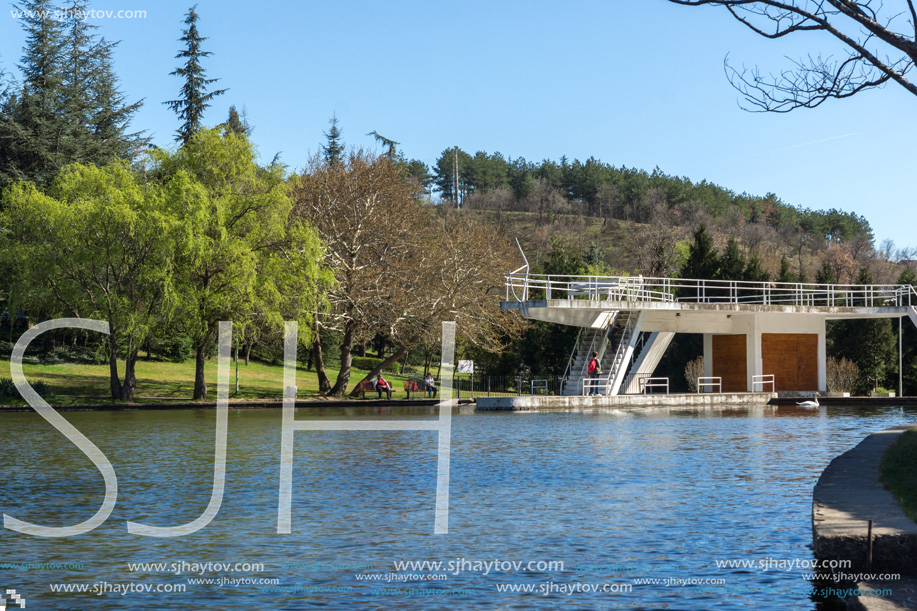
(899,472)
(77,383)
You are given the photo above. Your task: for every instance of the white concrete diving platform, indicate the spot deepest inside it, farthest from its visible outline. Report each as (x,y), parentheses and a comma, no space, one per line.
(758,336)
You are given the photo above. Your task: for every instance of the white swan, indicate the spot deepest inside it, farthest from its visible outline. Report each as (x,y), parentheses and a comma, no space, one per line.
(809,403)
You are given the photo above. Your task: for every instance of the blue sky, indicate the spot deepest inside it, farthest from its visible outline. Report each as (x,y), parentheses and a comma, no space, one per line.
(638,83)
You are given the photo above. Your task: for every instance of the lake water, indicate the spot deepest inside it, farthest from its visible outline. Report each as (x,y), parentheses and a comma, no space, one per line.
(618,498)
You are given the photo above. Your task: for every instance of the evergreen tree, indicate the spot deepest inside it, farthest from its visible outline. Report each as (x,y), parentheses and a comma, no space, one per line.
(68,108)
(909,341)
(754,272)
(732,263)
(193,98)
(786,274)
(237,124)
(702,262)
(97,115)
(32,124)
(419,171)
(335,147)
(391,147)
(869,343)
(825,275)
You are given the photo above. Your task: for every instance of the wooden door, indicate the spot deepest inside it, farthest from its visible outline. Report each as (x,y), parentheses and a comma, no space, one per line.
(792,358)
(729,362)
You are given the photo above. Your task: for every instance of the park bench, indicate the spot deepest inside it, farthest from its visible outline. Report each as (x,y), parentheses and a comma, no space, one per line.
(364,387)
(417,386)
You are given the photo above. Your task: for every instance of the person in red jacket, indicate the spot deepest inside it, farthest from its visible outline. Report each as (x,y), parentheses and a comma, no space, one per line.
(382,386)
(593,372)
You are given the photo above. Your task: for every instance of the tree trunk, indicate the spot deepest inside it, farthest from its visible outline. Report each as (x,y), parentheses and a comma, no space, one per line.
(248,351)
(340,384)
(200,384)
(402,351)
(130,380)
(324,384)
(113,381)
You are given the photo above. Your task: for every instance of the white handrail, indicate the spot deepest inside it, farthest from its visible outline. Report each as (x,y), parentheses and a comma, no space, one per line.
(762,380)
(640,288)
(710,381)
(655,383)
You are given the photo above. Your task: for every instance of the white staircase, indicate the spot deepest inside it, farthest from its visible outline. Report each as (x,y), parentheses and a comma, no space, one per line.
(912,314)
(589,340)
(647,358)
(622,354)
(625,341)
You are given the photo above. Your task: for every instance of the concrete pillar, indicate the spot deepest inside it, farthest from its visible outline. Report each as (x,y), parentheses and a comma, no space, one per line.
(708,355)
(822,358)
(753,361)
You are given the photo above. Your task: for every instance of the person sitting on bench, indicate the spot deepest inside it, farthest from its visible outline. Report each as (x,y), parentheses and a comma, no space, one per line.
(382,386)
(429,386)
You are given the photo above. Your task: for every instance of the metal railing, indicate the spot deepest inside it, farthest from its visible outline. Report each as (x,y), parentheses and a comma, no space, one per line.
(541,383)
(710,381)
(569,367)
(762,381)
(597,385)
(480,385)
(524,287)
(654,383)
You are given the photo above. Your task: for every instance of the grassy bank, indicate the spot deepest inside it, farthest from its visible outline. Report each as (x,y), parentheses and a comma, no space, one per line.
(77,383)
(899,472)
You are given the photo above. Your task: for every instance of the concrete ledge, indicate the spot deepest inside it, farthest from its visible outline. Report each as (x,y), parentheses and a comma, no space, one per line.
(848,494)
(579,403)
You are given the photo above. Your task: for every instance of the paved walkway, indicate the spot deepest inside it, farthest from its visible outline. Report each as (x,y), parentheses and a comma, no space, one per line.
(848,494)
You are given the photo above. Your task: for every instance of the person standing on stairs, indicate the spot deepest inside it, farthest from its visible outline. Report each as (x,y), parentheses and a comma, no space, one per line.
(593,371)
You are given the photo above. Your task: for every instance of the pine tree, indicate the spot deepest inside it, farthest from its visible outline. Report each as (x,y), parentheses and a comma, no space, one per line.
(732,263)
(193,99)
(785,274)
(335,147)
(97,116)
(238,124)
(68,108)
(32,126)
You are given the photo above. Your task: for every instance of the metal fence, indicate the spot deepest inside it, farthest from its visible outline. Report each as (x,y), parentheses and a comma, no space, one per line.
(468,386)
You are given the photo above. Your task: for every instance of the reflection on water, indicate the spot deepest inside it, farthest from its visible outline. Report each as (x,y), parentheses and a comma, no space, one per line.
(598,491)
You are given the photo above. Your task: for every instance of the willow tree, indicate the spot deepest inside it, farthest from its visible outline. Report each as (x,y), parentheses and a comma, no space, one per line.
(242,253)
(878,43)
(98,244)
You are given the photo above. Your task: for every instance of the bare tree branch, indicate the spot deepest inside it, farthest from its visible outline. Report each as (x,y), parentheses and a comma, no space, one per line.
(876,53)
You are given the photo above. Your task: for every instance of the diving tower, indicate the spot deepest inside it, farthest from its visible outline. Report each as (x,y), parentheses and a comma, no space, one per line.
(754,332)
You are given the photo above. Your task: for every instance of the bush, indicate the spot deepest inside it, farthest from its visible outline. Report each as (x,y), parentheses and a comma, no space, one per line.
(177,349)
(693,370)
(842,374)
(368,363)
(8,389)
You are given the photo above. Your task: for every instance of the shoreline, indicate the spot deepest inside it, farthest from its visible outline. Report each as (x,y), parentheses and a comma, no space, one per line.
(846,497)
